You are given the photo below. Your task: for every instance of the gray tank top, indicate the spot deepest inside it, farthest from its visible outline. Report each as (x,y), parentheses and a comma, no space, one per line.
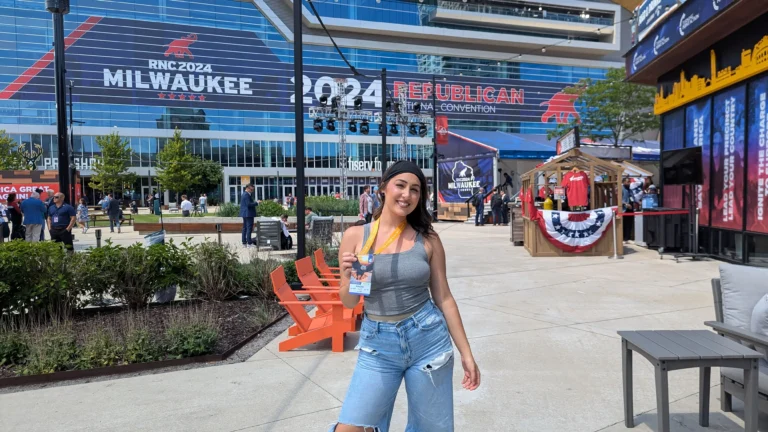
(400,282)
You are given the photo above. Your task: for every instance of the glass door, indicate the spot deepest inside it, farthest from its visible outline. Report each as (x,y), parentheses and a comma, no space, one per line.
(234,194)
(287,190)
(313,190)
(325,190)
(259,192)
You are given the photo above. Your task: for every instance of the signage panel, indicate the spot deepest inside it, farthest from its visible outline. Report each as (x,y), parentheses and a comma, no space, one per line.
(460,179)
(698,134)
(728,159)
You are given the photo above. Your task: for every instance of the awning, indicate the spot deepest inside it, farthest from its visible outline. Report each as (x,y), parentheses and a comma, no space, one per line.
(463,143)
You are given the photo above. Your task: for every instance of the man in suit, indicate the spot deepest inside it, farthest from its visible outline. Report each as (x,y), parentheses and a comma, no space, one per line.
(247,212)
(113,210)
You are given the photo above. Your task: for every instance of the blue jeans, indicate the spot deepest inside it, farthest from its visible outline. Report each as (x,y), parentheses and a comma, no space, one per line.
(247,230)
(114,221)
(418,349)
(480,215)
(203,208)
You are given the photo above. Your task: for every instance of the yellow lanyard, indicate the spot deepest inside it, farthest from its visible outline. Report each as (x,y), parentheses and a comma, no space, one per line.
(372,237)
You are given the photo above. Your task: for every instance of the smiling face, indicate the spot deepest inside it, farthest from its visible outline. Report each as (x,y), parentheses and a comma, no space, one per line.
(402,194)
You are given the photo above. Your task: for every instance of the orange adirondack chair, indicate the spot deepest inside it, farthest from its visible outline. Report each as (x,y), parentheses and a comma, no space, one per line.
(313,285)
(325,270)
(310,330)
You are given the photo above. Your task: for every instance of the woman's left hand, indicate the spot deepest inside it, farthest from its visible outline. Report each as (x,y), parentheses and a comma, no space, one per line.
(471,379)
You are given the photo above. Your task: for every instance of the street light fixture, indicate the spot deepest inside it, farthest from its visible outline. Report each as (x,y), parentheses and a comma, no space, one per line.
(59,8)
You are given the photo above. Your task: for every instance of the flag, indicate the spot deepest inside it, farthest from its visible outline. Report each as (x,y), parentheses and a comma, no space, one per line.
(575,231)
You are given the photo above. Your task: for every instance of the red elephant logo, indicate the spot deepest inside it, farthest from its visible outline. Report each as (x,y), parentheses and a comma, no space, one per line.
(560,106)
(180,47)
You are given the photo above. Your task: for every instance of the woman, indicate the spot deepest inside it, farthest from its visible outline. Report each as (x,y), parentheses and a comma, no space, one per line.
(406,332)
(82,216)
(15,216)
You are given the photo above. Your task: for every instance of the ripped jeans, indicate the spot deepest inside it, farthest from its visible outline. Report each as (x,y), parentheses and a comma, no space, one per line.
(418,349)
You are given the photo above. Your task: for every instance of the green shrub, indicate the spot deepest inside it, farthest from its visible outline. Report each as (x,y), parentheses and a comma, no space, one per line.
(228,209)
(254,278)
(141,346)
(140,272)
(330,206)
(190,333)
(13,347)
(34,279)
(291,276)
(101,349)
(216,273)
(268,208)
(51,349)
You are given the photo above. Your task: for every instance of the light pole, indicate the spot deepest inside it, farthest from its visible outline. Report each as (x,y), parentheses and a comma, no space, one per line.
(434,150)
(383,123)
(298,70)
(59,8)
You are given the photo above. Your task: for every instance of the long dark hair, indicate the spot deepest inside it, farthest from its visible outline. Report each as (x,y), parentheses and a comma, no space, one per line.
(419,218)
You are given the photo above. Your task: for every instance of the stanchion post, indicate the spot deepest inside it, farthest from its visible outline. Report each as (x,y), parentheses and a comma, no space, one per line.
(615,239)
(98,238)
(218,232)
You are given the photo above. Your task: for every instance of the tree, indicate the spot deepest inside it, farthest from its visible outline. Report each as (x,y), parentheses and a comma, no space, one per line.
(10,155)
(111,168)
(613,109)
(206,175)
(174,164)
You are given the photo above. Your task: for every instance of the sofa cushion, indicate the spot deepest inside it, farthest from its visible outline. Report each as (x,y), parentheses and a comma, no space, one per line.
(738,376)
(759,323)
(742,287)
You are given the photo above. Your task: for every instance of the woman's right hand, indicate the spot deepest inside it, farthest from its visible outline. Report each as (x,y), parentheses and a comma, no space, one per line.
(347,260)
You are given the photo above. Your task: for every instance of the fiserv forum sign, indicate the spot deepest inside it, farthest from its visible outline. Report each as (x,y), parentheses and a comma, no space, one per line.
(123,61)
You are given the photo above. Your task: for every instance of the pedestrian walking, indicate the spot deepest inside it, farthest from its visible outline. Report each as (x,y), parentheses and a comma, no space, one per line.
(203,202)
(496,204)
(113,210)
(186,206)
(48,204)
(247,212)
(375,199)
(82,216)
(411,315)
(34,211)
(290,201)
(61,219)
(366,205)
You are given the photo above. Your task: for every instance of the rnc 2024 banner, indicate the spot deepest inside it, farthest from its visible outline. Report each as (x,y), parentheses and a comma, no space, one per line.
(698,134)
(460,179)
(728,159)
(757,167)
(124,61)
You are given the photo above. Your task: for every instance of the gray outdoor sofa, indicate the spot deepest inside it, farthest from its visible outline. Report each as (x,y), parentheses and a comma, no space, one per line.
(740,307)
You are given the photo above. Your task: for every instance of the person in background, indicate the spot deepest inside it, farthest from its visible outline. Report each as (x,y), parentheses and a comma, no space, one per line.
(186,206)
(5,230)
(479,202)
(309,215)
(61,219)
(365,200)
(14,215)
(34,212)
(628,205)
(48,203)
(290,201)
(247,212)
(203,203)
(286,241)
(505,207)
(496,207)
(104,203)
(134,208)
(113,210)
(82,216)
(508,182)
(375,199)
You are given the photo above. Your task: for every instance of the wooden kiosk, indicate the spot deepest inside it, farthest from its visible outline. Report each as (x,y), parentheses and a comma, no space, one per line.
(604,193)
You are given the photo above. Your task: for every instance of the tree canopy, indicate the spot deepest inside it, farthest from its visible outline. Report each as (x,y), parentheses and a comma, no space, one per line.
(175,164)
(611,109)
(110,170)
(10,155)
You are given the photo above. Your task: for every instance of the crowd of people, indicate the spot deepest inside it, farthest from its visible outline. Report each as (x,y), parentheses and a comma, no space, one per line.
(499,202)
(28,219)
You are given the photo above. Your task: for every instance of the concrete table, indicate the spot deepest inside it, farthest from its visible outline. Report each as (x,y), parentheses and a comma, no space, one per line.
(670,350)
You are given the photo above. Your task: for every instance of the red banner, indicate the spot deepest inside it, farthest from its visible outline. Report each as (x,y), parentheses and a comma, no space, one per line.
(441,127)
(24,191)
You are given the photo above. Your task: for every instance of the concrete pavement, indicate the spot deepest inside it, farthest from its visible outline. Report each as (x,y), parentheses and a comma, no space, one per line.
(543,331)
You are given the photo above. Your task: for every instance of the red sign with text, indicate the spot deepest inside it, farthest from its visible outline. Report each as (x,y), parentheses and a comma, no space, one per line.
(24,191)
(441,128)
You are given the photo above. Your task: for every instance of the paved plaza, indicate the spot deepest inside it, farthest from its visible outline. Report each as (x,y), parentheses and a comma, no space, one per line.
(543,331)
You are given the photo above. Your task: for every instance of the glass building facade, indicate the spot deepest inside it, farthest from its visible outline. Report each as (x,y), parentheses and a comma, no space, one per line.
(263,130)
